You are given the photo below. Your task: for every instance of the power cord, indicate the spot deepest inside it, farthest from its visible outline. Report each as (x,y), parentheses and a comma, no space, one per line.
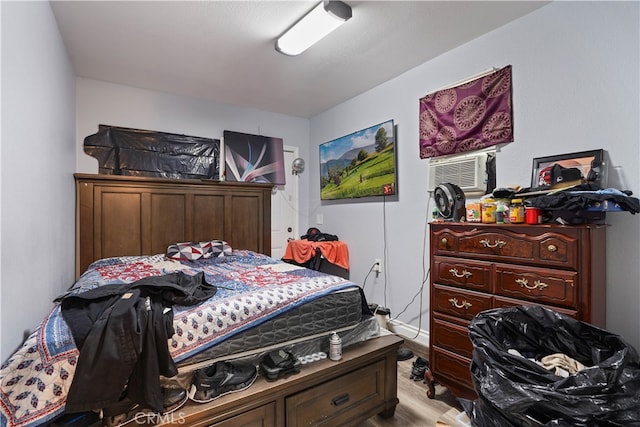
(420,292)
(384,248)
(425,276)
(384,252)
(364,283)
(281,194)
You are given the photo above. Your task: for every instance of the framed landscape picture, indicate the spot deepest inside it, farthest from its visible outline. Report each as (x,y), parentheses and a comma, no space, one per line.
(361,164)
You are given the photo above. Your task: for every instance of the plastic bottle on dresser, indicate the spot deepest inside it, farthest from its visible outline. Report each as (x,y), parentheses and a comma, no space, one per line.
(516,212)
(335,347)
(488,211)
(500,213)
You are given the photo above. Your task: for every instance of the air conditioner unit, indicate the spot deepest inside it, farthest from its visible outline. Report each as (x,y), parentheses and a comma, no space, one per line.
(467,171)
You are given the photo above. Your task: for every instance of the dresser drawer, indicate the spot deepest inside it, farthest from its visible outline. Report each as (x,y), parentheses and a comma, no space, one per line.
(454,367)
(452,337)
(459,272)
(336,402)
(264,416)
(544,286)
(558,249)
(509,243)
(459,303)
(444,242)
(502,302)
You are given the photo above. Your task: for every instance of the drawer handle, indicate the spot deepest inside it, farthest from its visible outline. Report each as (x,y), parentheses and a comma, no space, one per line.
(465,273)
(444,241)
(552,248)
(497,243)
(340,400)
(464,304)
(536,285)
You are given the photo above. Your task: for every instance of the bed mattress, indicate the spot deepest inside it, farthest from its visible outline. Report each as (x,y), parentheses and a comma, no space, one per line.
(337,311)
(259,302)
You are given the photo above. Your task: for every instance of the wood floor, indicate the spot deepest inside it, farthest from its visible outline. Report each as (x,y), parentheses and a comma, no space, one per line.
(415,408)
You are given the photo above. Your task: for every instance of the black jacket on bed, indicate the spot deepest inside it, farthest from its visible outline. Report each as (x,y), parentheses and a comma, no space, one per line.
(122,333)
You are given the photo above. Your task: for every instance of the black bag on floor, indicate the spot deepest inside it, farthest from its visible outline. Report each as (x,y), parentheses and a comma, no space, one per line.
(514,390)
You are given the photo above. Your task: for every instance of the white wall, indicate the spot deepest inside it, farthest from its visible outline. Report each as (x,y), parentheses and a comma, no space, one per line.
(38,159)
(105,103)
(576,87)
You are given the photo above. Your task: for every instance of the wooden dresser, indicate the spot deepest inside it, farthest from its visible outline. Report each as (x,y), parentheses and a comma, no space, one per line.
(475,267)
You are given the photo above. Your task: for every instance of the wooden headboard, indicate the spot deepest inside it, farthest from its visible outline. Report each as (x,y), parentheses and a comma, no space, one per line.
(123,215)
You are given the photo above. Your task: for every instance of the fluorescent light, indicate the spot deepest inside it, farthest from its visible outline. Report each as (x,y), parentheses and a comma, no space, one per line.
(320,21)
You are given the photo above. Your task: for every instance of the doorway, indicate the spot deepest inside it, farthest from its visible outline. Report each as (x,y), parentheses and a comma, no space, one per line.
(284,208)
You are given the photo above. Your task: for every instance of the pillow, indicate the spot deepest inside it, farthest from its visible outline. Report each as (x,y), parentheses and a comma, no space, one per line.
(220,248)
(199,250)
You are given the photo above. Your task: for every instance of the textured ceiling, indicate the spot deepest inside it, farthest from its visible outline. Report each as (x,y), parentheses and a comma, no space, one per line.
(224,50)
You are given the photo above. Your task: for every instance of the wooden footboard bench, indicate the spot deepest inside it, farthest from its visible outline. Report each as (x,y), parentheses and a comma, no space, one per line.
(324,393)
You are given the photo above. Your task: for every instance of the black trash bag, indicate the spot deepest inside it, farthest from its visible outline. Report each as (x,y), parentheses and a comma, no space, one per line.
(514,390)
(137,152)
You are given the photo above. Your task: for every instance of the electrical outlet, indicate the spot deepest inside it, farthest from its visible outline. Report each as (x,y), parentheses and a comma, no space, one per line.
(377,265)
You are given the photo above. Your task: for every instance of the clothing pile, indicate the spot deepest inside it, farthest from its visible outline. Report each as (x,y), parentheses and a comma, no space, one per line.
(558,363)
(535,366)
(122,333)
(583,197)
(315,235)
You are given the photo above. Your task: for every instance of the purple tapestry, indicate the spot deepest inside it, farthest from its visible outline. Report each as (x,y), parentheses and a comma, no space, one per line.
(468,117)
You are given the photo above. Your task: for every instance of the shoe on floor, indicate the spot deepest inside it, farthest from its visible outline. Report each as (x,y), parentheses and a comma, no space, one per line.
(221,378)
(420,365)
(404,353)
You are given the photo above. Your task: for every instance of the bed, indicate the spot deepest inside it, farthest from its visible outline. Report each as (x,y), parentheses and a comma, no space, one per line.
(260,303)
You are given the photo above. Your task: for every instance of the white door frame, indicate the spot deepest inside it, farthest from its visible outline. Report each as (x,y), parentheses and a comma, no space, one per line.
(282,195)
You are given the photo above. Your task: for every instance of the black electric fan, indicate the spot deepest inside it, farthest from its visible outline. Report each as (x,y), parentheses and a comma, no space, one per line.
(450,201)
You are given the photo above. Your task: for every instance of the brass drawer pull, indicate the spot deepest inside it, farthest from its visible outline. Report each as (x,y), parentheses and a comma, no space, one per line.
(444,241)
(536,285)
(464,304)
(497,243)
(465,273)
(340,399)
(552,248)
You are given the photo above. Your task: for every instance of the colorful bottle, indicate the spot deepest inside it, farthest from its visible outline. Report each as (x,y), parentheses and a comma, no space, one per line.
(516,212)
(489,211)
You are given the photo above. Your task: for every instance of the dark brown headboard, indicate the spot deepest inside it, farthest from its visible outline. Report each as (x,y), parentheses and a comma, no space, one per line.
(118,215)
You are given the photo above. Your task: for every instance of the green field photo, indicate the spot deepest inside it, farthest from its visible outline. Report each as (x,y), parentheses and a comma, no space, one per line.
(361,164)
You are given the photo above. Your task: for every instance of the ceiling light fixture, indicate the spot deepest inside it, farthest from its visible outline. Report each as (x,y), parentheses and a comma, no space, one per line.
(320,21)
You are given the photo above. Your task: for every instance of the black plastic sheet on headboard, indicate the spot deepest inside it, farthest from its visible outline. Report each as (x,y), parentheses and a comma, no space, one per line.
(136,152)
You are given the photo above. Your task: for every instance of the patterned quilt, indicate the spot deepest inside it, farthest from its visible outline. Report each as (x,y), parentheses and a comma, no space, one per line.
(252,288)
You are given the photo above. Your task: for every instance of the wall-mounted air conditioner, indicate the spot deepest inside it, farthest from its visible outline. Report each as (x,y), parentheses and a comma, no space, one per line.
(468,171)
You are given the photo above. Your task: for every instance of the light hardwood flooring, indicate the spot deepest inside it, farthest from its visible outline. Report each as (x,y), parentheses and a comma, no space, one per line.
(415,408)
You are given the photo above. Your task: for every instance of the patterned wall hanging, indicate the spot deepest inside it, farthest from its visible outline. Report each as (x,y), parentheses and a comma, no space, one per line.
(468,117)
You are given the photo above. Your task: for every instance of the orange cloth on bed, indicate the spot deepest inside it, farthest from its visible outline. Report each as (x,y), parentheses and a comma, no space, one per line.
(301,251)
